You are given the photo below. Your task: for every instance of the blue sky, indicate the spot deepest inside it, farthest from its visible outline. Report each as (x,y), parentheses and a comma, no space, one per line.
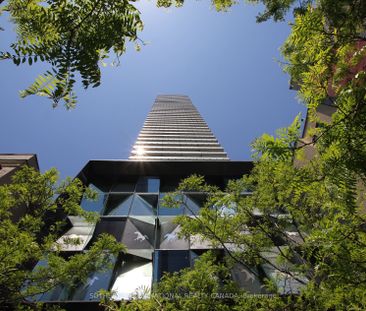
(225,62)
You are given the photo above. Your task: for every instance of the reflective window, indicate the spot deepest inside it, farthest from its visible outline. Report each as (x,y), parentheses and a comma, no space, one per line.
(169,186)
(56,294)
(193,256)
(246,279)
(113,226)
(87,291)
(192,203)
(40,264)
(102,184)
(123,187)
(169,261)
(76,238)
(198,242)
(143,205)
(134,275)
(285,283)
(94,205)
(148,184)
(227,210)
(169,235)
(118,204)
(169,211)
(138,235)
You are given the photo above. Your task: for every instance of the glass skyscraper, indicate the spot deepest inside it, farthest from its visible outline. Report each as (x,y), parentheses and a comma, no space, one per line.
(174,143)
(175,131)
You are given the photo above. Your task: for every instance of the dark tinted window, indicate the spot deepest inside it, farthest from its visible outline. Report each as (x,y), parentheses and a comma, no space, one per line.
(148,184)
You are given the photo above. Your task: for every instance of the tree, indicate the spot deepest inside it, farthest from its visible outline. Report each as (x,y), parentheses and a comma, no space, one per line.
(189,289)
(326,56)
(32,238)
(74,37)
(309,215)
(302,223)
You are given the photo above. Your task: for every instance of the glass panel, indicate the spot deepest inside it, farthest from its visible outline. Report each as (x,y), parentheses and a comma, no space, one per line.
(143,253)
(148,184)
(76,238)
(134,276)
(56,294)
(141,206)
(169,235)
(78,221)
(91,205)
(169,261)
(87,291)
(193,256)
(40,264)
(118,204)
(138,235)
(123,187)
(192,205)
(166,211)
(227,210)
(197,242)
(113,226)
(168,185)
(285,283)
(102,184)
(247,280)
(94,283)
(146,228)
(148,219)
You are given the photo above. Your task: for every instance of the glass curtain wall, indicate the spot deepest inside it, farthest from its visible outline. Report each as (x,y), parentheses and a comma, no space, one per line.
(134,213)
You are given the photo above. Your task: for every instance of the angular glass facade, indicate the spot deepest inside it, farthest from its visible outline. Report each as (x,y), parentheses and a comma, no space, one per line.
(134,213)
(174,143)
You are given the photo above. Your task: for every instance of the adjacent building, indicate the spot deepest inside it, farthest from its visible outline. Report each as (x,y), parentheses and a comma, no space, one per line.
(324,114)
(10,163)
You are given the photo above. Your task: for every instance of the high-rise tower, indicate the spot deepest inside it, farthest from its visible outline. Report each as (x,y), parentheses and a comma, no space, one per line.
(174,143)
(175,131)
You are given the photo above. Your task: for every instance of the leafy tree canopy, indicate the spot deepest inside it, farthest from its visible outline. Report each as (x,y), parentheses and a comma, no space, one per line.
(74,37)
(303,223)
(310,215)
(32,238)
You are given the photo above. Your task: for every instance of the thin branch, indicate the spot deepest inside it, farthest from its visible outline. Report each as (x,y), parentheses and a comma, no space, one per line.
(221,242)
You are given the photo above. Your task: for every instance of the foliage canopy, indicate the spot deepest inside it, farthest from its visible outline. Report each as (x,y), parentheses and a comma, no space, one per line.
(32,238)
(309,213)
(74,37)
